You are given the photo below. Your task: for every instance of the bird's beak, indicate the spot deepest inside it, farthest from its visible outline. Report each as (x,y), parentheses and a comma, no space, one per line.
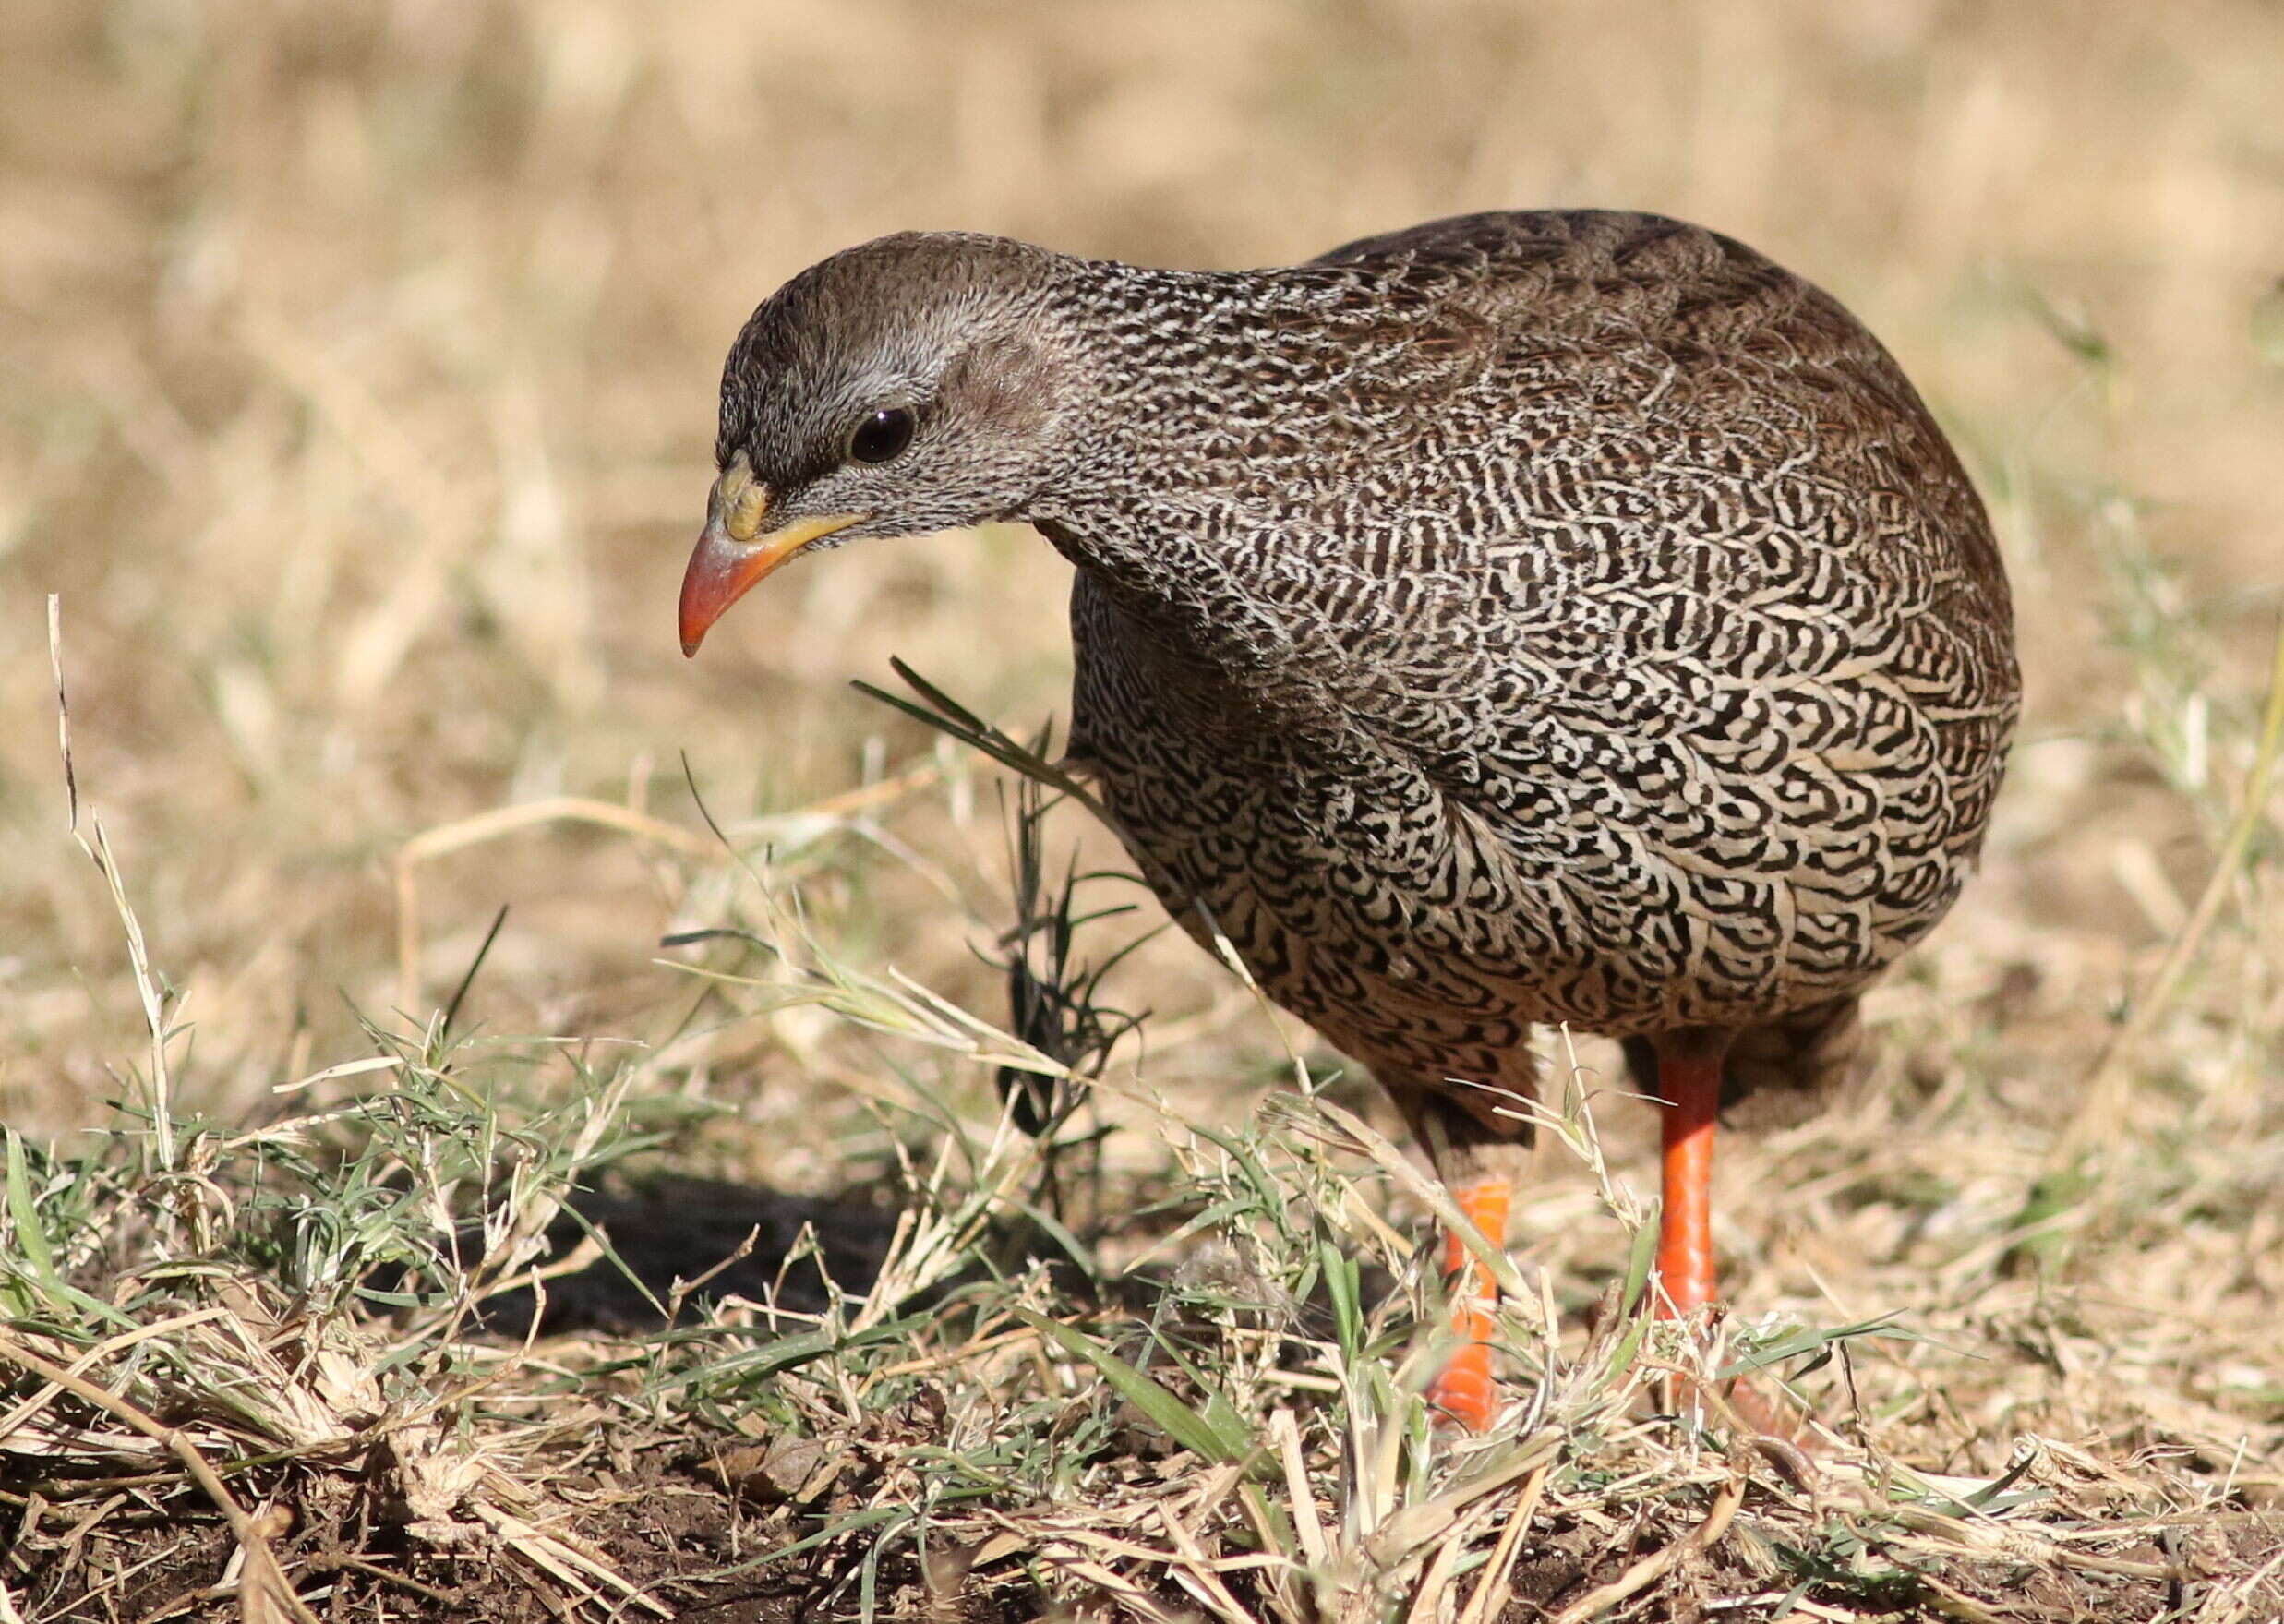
(733,551)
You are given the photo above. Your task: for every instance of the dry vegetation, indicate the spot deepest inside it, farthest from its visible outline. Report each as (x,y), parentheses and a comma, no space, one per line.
(357,375)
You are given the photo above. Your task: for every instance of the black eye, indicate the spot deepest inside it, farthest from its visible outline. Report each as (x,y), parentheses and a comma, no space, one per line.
(882,437)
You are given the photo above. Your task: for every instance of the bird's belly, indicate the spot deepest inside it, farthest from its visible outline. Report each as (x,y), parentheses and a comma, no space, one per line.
(1370,902)
(1627,848)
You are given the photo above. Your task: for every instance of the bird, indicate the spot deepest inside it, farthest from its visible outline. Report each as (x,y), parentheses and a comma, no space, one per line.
(1562,619)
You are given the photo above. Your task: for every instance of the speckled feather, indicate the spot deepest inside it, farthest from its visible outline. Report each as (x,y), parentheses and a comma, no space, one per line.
(1523,619)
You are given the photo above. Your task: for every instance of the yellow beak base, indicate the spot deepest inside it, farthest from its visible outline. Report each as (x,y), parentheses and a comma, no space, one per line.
(734,553)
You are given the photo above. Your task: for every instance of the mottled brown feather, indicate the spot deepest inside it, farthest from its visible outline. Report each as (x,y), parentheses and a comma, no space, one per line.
(1563,617)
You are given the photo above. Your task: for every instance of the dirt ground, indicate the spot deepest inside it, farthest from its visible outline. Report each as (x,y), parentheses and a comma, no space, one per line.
(423,941)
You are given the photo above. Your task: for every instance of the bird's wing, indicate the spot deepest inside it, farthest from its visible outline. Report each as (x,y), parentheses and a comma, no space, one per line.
(1468,241)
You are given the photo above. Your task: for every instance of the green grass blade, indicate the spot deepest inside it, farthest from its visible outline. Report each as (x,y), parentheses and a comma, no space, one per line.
(1638,1265)
(24,1214)
(1187,1426)
(1343,1285)
(1809,1339)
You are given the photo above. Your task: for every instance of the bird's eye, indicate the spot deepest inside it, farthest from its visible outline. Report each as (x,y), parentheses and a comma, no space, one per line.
(882,437)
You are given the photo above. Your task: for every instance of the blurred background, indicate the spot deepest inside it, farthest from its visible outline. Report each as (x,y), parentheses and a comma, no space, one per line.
(358,371)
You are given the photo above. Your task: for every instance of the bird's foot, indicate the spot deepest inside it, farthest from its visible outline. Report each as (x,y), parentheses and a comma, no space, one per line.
(1774,1416)
(1762,1414)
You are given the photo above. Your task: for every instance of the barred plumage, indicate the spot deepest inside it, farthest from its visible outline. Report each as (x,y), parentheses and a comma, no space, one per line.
(1522,618)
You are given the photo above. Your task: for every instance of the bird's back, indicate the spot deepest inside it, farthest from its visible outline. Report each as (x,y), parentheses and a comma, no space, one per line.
(1553,616)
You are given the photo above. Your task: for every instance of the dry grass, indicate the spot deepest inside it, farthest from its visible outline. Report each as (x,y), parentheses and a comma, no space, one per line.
(357,376)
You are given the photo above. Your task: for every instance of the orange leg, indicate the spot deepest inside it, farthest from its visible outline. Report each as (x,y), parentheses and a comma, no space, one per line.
(1467,1392)
(1692,1090)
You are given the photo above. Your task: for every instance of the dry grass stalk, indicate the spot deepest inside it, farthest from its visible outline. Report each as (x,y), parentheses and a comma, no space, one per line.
(358,407)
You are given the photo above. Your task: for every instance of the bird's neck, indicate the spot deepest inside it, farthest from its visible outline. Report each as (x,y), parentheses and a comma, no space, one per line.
(1166,480)
(1241,431)
(1180,600)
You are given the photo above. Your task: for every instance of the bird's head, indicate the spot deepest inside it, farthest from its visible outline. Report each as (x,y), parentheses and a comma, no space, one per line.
(920,383)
